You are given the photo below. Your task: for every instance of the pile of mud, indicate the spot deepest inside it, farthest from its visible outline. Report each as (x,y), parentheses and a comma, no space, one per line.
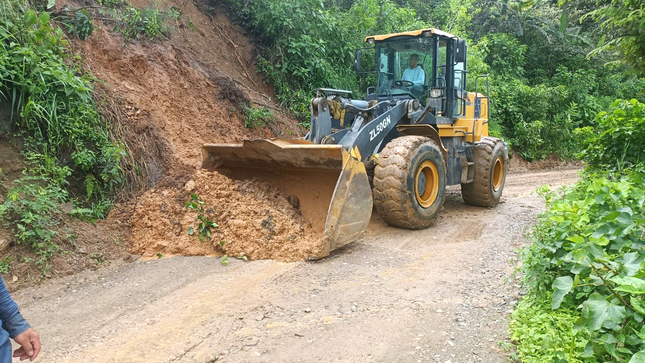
(255,220)
(552,162)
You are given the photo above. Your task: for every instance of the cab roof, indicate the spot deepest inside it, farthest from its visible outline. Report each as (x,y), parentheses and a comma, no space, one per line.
(412,33)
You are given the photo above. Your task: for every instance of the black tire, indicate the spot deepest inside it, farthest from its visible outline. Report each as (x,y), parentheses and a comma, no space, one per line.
(491,163)
(410,182)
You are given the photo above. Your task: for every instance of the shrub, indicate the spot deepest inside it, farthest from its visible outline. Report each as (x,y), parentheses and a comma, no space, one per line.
(132,22)
(52,103)
(81,25)
(257,116)
(589,253)
(66,143)
(618,138)
(529,118)
(546,335)
(31,210)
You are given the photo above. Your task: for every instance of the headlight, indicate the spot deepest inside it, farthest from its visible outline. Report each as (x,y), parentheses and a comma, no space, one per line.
(436,92)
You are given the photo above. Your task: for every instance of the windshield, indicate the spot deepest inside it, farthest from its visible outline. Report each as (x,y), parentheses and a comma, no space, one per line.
(405,67)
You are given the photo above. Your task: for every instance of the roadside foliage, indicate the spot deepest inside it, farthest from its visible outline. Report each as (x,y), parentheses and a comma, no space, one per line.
(70,153)
(585,271)
(68,150)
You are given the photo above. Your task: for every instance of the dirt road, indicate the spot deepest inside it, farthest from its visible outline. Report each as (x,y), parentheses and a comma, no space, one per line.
(438,295)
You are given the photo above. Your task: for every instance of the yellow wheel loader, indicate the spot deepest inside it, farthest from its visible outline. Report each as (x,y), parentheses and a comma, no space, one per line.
(417,131)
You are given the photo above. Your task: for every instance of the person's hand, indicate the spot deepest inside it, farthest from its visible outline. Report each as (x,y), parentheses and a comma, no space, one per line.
(29,341)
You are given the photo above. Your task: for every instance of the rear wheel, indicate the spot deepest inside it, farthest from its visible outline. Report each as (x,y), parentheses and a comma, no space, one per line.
(410,182)
(490,174)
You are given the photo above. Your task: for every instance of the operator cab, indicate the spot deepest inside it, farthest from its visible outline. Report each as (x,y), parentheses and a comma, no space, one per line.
(437,78)
(401,68)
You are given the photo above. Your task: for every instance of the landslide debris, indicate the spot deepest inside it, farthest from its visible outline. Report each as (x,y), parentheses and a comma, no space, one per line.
(255,220)
(167,98)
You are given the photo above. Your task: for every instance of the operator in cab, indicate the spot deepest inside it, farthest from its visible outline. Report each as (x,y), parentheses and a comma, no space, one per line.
(414,73)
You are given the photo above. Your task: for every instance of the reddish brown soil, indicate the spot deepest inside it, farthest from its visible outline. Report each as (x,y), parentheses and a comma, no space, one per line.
(255,220)
(182,93)
(552,162)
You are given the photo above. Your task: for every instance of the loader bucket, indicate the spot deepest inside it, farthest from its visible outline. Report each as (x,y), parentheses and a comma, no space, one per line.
(331,186)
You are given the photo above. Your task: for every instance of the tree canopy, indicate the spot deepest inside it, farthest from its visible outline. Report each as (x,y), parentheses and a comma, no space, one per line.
(553,66)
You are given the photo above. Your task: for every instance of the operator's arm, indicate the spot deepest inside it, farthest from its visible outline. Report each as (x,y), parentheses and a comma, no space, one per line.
(12,321)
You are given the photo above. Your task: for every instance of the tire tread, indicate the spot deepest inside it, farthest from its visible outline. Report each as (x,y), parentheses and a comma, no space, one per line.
(391,194)
(479,192)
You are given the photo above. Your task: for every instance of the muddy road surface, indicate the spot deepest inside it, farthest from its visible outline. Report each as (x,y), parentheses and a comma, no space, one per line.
(443,294)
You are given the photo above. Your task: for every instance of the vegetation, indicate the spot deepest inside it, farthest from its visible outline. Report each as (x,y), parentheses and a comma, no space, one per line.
(69,151)
(5,265)
(129,21)
(587,260)
(623,21)
(257,116)
(31,210)
(133,23)
(618,138)
(543,87)
(70,155)
(203,216)
(306,44)
(546,335)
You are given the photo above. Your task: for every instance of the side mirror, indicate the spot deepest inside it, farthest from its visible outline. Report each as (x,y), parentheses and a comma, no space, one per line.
(460,50)
(357,61)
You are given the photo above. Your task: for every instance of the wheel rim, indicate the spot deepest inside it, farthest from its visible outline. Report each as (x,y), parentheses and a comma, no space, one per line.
(498,173)
(426,184)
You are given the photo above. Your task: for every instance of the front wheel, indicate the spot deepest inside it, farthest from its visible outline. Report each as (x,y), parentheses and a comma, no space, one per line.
(410,182)
(490,174)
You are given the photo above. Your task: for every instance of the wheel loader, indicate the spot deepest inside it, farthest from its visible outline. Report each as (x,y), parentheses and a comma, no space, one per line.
(394,151)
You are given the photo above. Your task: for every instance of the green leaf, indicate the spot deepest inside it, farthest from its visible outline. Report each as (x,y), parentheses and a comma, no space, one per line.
(43,18)
(595,311)
(638,357)
(627,210)
(564,18)
(588,352)
(224,260)
(624,218)
(601,41)
(601,231)
(576,239)
(561,286)
(191,231)
(50,4)
(637,304)
(30,17)
(600,241)
(632,263)
(632,285)
(616,314)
